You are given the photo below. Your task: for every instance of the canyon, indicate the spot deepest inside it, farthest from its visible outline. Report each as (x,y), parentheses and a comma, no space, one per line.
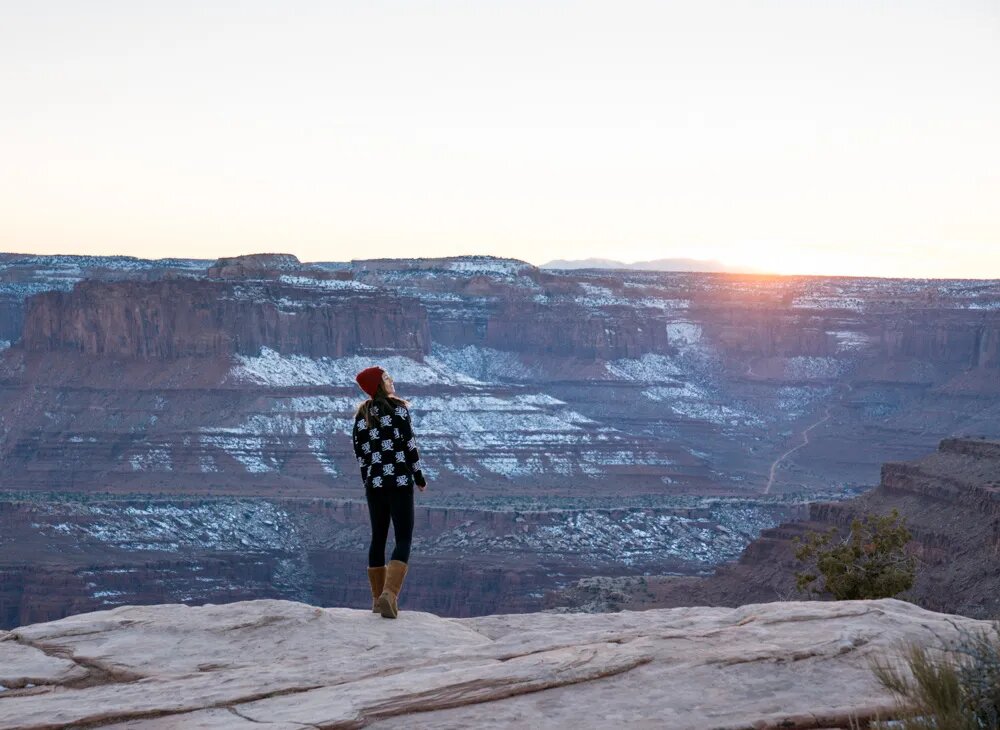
(176,430)
(949,499)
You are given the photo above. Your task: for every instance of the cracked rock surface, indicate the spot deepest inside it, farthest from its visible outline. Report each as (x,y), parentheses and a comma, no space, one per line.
(280,664)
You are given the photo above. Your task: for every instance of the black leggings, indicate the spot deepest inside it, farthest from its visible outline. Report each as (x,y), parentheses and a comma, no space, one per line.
(385,504)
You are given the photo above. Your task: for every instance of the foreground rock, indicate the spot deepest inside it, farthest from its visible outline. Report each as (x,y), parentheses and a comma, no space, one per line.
(280,664)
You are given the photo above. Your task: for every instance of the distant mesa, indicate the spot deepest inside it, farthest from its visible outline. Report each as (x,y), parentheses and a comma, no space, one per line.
(677,264)
(461,266)
(254,264)
(220,317)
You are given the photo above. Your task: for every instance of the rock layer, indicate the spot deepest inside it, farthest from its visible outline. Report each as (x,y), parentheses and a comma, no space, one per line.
(178,318)
(289,665)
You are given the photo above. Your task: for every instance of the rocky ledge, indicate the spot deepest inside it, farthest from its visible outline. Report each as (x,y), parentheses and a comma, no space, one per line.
(279,664)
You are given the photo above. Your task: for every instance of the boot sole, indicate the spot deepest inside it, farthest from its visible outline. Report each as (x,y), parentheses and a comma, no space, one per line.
(385,607)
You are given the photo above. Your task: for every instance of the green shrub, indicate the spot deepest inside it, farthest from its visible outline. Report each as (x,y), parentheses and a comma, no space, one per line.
(870,562)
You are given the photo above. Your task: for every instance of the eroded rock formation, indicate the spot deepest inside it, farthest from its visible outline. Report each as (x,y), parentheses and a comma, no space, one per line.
(177,318)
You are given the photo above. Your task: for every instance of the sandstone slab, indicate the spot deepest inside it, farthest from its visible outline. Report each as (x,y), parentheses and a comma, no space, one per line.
(22,665)
(285,665)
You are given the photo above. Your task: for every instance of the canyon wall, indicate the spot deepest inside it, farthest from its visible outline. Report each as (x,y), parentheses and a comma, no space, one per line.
(179,318)
(236,376)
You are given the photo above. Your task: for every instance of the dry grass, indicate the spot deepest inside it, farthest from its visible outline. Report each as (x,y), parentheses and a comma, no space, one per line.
(954,687)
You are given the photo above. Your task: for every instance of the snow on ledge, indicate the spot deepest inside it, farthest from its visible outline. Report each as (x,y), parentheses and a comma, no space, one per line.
(650,368)
(274,369)
(310,283)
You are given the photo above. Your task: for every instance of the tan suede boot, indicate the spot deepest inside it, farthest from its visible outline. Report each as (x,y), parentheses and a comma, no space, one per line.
(388,604)
(376,576)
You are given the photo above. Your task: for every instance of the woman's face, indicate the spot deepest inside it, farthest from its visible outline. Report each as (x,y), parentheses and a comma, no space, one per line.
(387,380)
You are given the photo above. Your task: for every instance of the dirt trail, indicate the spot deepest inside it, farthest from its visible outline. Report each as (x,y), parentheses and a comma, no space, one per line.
(805,441)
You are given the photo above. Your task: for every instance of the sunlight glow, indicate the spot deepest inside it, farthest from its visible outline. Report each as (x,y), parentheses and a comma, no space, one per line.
(849,137)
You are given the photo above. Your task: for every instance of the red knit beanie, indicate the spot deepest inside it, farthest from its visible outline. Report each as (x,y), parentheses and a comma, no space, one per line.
(369,378)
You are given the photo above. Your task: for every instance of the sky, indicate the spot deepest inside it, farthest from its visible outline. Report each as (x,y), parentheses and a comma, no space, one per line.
(793,136)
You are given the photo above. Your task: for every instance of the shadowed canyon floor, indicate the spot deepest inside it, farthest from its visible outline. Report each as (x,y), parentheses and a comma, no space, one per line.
(279,664)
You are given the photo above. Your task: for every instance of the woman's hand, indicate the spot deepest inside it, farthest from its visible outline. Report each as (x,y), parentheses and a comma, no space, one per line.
(418,478)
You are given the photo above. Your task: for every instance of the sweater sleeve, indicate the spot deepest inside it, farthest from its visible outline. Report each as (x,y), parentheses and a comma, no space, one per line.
(405,426)
(356,437)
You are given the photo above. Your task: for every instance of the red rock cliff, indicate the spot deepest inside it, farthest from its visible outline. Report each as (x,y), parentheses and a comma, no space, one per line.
(177,318)
(568,330)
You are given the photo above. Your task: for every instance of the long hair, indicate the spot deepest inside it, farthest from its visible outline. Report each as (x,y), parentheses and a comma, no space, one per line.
(381,398)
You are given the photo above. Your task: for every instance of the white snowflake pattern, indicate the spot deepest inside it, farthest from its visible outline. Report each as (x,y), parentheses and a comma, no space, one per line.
(416,465)
(387,445)
(366,447)
(385,421)
(411,444)
(376,481)
(373,434)
(377,457)
(401,412)
(388,469)
(361,462)
(395,433)
(400,456)
(361,425)
(401,480)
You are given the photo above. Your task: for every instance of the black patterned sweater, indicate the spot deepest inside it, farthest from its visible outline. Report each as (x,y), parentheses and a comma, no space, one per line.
(386,452)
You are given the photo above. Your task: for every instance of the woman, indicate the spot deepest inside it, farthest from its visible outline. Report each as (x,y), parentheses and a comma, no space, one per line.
(390,466)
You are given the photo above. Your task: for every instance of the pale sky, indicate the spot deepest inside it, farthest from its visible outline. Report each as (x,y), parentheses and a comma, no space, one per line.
(797,136)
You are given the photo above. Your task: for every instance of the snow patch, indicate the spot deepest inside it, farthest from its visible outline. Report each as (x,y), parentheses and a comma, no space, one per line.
(849,341)
(497,267)
(717,413)
(599,296)
(630,536)
(689,400)
(650,368)
(683,333)
(813,368)
(331,284)
(271,368)
(225,525)
(482,364)
(247,450)
(319,449)
(853,304)
(155,459)
(795,401)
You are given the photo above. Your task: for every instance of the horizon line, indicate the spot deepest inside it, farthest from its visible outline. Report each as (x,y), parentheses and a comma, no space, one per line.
(624,267)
